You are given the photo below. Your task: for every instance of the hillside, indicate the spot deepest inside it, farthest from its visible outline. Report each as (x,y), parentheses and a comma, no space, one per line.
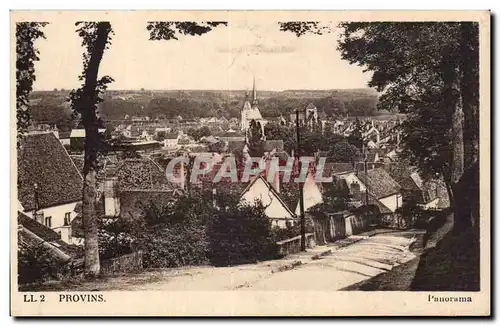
(50,106)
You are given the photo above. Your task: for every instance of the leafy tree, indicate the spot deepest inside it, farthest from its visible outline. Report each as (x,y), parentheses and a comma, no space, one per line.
(431,71)
(96,37)
(217,147)
(255,139)
(160,136)
(343,151)
(198,133)
(355,138)
(240,234)
(26,56)
(275,131)
(436,82)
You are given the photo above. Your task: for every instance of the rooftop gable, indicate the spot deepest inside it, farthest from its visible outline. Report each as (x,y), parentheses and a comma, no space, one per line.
(44,161)
(379,183)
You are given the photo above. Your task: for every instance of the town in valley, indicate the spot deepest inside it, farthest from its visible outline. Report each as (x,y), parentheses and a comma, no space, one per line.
(99,197)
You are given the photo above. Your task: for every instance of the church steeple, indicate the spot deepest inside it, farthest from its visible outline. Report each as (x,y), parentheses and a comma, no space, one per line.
(254,94)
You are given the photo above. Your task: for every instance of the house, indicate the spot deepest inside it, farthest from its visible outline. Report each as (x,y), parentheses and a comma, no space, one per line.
(49,184)
(135,180)
(383,188)
(431,194)
(32,234)
(275,208)
(313,194)
(170,140)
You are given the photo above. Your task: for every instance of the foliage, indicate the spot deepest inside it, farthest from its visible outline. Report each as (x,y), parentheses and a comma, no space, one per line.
(417,66)
(336,198)
(174,246)
(37,264)
(290,231)
(198,133)
(160,135)
(240,234)
(218,147)
(26,56)
(343,151)
(169,30)
(273,130)
(191,231)
(300,28)
(96,38)
(356,136)
(311,141)
(255,139)
(116,237)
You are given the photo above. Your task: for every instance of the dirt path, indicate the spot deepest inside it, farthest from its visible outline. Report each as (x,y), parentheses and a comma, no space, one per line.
(343,263)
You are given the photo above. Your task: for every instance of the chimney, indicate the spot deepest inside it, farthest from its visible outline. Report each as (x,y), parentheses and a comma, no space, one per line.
(355,189)
(276,182)
(111,200)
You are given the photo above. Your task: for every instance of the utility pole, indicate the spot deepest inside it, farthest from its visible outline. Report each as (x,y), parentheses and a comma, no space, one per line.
(301,188)
(366,178)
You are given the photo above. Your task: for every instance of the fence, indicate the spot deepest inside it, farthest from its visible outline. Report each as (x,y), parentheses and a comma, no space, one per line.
(125,263)
(292,245)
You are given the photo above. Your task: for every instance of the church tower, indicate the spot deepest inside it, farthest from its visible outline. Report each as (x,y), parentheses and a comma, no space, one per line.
(254,94)
(250,111)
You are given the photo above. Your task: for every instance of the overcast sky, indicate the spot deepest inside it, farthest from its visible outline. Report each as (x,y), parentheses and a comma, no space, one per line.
(226,58)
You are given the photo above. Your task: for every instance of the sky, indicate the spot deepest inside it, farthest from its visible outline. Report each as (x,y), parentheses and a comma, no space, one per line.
(226,58)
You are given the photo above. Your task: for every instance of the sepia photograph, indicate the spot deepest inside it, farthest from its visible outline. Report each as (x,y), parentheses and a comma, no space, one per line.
(242,162)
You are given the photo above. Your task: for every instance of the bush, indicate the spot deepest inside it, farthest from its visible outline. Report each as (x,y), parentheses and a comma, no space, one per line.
(176,246)
(116,238)
(36,264)
(240,234)
(291,231)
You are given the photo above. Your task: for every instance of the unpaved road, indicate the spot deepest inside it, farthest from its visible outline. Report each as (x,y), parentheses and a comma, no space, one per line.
(343,267)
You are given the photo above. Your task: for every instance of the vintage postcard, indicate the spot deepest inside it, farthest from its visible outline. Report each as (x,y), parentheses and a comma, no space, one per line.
(250,163)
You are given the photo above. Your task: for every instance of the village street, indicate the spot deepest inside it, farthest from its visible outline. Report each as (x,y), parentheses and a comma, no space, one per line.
(331,267)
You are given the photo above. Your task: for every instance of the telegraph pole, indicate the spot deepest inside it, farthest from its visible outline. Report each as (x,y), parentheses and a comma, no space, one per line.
(301,188)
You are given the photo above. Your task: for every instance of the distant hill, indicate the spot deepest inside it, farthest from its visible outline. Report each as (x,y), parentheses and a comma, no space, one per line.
(207,103)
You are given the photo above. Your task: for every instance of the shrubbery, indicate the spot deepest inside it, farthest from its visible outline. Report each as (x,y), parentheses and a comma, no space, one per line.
(290,231)
(191,231)
(37,264)
(240,234)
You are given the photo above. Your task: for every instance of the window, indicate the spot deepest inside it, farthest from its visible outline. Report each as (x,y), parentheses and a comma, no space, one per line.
(67,218)
(48,221)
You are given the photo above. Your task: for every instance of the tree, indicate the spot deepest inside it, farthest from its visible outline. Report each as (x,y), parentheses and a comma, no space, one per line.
(198,133)
(240,234)
(26,56)
(436,82)
(95,38)
(274,131)
(355,138)
(255,140)
(160,136)
(342,151)
(429,70)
